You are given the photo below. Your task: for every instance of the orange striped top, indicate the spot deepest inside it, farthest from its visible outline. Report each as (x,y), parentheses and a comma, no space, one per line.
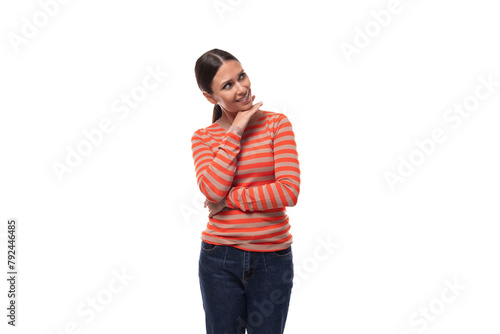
(257,174)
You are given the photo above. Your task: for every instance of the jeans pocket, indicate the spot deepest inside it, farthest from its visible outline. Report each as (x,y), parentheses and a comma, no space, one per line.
(283,252)
(206,247)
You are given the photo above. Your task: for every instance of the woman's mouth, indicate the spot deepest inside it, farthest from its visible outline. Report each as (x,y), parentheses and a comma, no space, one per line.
(245,99)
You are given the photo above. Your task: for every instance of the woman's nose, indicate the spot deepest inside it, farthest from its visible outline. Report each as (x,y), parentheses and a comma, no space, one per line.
(239,88)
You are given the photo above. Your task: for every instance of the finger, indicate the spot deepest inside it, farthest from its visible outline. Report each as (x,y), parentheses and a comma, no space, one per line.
(256,106)
(255,112)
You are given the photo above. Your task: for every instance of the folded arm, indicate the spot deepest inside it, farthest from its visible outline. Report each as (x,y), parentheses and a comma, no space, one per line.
(285,190)
(215,173)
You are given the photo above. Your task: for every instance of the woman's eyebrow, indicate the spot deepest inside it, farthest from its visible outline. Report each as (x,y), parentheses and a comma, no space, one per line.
(225,82)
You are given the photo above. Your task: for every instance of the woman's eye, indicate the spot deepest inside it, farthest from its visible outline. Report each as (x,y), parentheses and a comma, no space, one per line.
(242,75)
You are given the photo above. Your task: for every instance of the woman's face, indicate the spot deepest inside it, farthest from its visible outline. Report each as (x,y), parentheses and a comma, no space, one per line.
(231,88)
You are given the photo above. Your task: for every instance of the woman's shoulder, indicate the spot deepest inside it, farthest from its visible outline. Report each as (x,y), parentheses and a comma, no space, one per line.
(269,117)
(212,129)
(272,116)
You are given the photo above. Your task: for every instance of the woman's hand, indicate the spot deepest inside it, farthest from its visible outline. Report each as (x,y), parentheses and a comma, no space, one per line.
(243,117)
(214,208)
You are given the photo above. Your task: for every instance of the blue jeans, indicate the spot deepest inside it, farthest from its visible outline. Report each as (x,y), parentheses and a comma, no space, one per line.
(243,289)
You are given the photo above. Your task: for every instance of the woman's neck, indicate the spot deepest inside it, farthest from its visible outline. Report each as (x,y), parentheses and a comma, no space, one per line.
(227,119)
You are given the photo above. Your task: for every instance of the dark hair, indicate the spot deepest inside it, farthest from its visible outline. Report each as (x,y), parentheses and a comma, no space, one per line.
(205,69)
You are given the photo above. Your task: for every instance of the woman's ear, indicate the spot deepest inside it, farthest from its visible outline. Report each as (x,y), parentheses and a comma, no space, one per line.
(209,98)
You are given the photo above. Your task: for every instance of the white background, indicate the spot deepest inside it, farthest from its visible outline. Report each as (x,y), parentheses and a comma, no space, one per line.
(133,205)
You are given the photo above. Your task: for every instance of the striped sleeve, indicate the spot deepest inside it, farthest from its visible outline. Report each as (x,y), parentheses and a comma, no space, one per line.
(285,190)
(215,173)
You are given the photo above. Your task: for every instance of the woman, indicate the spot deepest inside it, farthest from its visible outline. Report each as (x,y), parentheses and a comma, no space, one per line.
(247,167)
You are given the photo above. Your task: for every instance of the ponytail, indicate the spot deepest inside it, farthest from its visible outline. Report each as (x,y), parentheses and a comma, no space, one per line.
(217,113)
